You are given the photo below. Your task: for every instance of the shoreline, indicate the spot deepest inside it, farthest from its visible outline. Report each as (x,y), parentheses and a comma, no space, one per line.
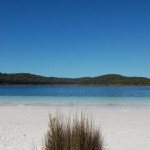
(52,101)
(67,85)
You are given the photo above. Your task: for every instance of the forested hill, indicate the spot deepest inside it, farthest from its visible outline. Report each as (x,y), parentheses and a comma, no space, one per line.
(105,80)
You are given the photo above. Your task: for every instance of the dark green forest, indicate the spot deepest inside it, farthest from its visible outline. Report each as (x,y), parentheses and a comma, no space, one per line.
(104,80)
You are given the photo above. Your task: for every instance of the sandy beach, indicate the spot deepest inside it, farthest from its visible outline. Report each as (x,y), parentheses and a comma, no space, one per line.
(24,127)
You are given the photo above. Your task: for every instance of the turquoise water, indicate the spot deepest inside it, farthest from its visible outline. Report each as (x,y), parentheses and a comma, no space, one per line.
(74,96)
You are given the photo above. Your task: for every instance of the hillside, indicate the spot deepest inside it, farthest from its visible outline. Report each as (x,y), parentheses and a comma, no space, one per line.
(104,80)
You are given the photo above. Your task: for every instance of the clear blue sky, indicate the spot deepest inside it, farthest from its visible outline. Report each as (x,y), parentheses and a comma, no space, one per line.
(75,38)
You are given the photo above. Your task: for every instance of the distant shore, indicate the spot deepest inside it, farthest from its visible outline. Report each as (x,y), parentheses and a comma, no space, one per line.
(103,80)
(74,85)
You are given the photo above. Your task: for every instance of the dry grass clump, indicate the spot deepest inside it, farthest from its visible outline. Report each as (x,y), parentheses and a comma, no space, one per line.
(73,134)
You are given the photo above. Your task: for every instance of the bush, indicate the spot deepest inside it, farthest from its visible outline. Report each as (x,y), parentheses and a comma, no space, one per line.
(73,134)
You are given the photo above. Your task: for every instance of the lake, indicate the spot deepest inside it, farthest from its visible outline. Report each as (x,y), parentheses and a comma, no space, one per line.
(75,95)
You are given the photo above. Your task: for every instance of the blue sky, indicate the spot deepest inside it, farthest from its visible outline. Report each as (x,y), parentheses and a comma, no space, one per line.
(77,38)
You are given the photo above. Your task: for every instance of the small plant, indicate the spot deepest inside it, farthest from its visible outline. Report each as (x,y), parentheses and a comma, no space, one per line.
(73,134)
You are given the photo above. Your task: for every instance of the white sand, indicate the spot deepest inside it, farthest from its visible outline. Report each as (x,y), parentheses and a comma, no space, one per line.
(22,127)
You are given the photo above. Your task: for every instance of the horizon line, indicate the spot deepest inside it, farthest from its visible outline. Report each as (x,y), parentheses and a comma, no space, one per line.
(76,77)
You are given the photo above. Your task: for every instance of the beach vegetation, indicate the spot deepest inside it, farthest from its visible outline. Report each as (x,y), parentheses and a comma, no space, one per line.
(77,133)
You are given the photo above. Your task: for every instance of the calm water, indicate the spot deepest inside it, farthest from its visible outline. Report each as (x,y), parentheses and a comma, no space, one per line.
(75,95)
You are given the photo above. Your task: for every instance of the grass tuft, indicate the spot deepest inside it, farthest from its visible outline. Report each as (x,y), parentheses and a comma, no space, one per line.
(77,133)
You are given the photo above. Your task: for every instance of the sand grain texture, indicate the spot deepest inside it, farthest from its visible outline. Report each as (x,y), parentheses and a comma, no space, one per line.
(23,127)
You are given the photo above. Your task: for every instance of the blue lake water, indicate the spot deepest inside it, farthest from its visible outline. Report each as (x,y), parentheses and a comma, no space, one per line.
(75,95)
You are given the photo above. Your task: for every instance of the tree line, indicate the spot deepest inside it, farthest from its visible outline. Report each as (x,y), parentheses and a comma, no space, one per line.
(104,80)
